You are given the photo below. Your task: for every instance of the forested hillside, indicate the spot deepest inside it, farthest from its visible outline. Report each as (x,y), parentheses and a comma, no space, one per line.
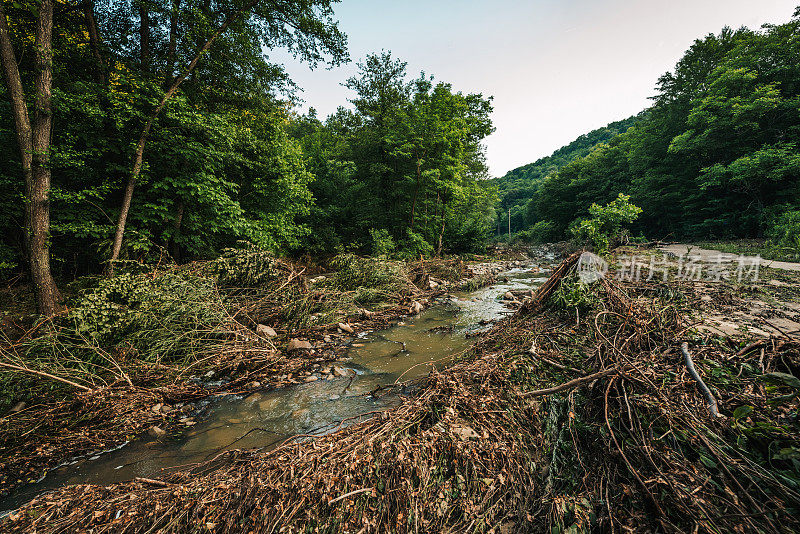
(520,184)
(716,156)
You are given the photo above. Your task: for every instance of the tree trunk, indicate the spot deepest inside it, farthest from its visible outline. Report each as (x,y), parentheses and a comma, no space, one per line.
(94,39)
(34,145)
(416,192)
(176,248)
(145,133)
(441,231)
(441,234)
(144,36)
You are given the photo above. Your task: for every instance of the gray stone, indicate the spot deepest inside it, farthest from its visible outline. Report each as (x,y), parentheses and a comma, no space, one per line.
(265,331)
(298,344)
(346,328)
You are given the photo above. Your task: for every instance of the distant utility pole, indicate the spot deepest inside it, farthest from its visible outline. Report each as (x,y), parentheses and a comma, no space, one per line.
(509,224)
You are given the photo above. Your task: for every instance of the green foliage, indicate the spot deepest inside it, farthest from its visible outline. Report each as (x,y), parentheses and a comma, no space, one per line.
(356,273)
(407,158)
(219,165)
(246,266)
(382,243)
(573,294)
(516,188)
(606,222)
(164,316)
(785,233)
(715,157)
(413,246)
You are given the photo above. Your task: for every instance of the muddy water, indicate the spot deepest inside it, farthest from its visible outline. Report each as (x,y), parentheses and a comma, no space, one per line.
(358,387)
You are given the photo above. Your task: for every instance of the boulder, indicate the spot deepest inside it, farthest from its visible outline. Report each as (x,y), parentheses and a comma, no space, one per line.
(298,344)
(265,331)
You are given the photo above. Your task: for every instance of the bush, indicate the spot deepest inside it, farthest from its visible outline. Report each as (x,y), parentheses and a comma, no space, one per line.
(606,223)
(361,274)
(413,246)
(165,316)
(785,233)
(247,266)
(382,243)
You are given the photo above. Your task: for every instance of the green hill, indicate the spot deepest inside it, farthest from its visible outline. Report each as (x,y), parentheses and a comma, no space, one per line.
(518,185)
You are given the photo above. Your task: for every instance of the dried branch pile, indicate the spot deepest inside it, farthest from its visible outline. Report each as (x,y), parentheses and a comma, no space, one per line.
(546,426)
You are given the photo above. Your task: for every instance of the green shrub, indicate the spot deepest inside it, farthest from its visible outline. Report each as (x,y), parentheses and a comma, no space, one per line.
(164,316)
(785,233)
(413,246)
(247,266)
(606,223)
(356,273)
(382,243)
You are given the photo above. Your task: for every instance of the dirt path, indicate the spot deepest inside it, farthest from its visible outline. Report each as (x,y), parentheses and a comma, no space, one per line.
(711,256)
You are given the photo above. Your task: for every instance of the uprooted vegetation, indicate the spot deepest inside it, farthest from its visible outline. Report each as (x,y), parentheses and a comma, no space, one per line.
(85,380)
(554,422)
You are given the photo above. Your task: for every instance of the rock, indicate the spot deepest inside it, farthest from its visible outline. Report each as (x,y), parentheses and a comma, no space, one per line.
(265,331)
(415,308)
(312,378)
(255,384)
(157,408)
(346,328)
(298,344)
(509,296)
(209,374)
(157,431)
(327,339)
(433,285)
(464,432)
(340,371)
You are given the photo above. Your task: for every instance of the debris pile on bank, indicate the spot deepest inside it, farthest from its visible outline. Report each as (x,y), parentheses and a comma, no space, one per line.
(577,413)
(171,334)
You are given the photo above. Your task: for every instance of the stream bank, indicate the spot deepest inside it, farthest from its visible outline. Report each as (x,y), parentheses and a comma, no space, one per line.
(256,413)
(553,421)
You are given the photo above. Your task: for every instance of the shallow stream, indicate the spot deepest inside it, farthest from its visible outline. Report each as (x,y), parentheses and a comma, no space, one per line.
(357,388)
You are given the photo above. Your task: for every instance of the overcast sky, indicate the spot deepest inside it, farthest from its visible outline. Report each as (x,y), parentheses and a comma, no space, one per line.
(556,68)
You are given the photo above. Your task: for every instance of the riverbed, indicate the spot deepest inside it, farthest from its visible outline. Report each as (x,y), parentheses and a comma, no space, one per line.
(374,373)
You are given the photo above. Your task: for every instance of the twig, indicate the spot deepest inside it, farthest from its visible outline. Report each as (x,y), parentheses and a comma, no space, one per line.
(47,375)
(568,385)
(712,402)
(159,483)
(749,347)
(350,494)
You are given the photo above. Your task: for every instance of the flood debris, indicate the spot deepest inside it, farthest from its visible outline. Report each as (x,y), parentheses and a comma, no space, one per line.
(549,424)
(167,334)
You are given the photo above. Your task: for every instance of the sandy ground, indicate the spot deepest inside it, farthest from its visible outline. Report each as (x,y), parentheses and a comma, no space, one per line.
(769,312)
(711,256)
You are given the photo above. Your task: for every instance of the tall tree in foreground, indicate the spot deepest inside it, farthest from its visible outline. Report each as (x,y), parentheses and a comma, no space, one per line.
(33,139)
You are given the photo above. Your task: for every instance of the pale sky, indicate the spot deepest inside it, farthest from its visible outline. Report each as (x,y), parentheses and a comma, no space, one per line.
(556,68)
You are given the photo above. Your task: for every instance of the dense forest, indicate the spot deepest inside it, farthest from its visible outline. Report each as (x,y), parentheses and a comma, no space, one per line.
(161,130)
(716,156)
